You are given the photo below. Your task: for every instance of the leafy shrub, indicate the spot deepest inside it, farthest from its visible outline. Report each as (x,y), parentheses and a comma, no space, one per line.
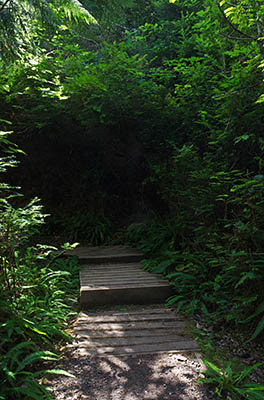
(210,246)
(228,381)
(34,316)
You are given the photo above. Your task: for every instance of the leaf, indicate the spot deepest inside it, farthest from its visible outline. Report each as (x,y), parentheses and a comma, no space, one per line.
(258,329)
(75,9)
(15,352)
(211,367)
(252,387)
(260,99)
(161,268)
(10,375)
(36,356)
(58,372)
(258,311)
(33,391)
(248,371)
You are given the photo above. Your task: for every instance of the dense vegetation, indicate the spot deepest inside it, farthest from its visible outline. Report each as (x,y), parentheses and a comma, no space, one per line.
(140,113)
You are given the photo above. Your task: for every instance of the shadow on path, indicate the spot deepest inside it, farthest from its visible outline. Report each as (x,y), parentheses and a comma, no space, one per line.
(157,377)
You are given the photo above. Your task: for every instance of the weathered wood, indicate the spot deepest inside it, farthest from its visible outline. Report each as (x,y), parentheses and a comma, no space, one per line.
(110,268)
(84,332)
(142,294)
(115,326)
(121,280)
(127,341)
(127,318)
(126,283)
(109,275)
(145,310)
(114,276)
(99,254)
(140,349)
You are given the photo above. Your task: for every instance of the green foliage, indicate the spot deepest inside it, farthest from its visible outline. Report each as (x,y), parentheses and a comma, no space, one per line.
(22,21)
(227,381)
(152,237)
(34,316)
(37,295)
(210,245)
(112,90)
(94,228)
(185,80)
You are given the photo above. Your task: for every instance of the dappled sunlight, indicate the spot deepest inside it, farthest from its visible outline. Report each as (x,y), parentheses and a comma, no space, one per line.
(160,377)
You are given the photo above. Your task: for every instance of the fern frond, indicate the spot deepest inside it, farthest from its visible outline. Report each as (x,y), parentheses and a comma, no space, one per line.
(75,9)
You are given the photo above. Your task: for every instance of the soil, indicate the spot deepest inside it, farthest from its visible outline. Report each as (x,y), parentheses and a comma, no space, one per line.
(149,377)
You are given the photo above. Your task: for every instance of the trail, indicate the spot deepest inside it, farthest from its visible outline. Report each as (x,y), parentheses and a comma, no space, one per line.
(127,344)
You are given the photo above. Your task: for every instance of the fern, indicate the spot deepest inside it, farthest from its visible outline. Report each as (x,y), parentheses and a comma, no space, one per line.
(75,9)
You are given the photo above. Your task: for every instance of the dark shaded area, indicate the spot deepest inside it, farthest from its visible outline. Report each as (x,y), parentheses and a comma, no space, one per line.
(96,170)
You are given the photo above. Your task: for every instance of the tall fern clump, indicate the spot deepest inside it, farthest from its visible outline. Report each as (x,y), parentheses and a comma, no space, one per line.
(37,295)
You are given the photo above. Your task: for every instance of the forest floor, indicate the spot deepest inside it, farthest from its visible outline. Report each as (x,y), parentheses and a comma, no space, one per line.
(167,376)
(159,376)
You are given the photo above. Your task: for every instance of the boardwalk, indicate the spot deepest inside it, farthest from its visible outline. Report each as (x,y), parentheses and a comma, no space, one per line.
(114,275)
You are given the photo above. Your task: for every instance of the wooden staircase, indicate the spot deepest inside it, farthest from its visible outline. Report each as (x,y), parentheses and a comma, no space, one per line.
(114,275)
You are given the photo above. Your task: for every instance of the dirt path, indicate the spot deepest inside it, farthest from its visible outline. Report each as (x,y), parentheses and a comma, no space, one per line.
(149,377)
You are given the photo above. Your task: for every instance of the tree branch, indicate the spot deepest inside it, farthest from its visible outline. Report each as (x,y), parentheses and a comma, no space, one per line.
(234,91)
(235,38)
(233,26)
(3,6)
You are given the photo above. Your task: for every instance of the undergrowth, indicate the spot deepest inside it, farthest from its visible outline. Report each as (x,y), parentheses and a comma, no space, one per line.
(92,228)
(34,319)
(38,296)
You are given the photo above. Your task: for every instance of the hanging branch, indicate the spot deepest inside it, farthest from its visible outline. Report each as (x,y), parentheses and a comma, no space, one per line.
(3,6)
(234,38)
(233,26)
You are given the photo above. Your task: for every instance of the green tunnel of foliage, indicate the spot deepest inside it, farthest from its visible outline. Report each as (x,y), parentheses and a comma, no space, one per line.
(157,109)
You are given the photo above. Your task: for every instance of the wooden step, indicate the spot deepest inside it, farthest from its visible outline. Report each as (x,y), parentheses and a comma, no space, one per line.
(127,317)
(139,332)
(176,347)
(147,331)
(105,254)
(126,283)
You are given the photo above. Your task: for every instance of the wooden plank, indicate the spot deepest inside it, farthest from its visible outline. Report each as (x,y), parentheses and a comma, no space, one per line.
(131,311)
(105,251)
(129,317)
(115,326)
(141,349)
(120,278)
(110,265)
(91,353)
(122,272)
(106,254)
(110,268)
(112,286)
(122,283)
(142,294)
(128,341)
(179,329)
(119,272)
